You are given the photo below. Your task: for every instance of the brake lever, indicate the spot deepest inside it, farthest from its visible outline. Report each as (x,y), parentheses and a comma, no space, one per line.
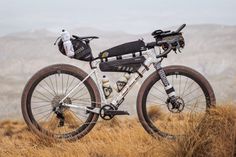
(57,40)
(178,47)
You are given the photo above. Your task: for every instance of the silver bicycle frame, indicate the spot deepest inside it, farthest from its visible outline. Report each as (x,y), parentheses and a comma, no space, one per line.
(150,59)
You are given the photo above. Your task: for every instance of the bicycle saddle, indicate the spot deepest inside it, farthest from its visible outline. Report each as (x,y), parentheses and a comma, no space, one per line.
(85,37)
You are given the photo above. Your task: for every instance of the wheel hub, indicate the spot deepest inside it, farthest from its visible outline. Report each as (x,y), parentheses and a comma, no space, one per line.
(177,106)
(56,101)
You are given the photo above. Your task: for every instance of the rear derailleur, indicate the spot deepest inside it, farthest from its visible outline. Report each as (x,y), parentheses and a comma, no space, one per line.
(60,115)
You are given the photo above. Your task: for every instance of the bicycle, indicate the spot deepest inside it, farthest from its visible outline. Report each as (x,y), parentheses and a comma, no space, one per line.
(63,102)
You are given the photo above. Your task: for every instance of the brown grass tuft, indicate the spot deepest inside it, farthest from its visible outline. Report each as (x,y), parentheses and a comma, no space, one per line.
(214,137)
(155,113)
(126,138)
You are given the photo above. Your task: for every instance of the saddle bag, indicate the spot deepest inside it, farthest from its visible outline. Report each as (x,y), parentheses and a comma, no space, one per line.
(82,50)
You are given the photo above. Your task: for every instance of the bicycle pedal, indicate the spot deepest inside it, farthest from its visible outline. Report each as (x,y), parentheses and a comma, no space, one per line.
(116,112)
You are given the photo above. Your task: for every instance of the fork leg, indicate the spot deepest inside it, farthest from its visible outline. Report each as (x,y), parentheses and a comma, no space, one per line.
(170,91)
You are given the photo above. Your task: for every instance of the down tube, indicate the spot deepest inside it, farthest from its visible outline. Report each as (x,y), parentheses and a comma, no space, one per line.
(127,88)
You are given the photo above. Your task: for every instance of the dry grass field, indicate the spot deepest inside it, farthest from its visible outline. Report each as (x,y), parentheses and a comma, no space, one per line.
(215,137)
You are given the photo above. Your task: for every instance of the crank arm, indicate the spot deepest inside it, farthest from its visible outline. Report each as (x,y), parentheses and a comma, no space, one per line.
(84,108)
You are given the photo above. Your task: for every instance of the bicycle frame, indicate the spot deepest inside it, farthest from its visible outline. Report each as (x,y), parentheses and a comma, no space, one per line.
(151,59)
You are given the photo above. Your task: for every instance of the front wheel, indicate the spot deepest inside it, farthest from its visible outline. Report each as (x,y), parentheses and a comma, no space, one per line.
(41,107)
(193,93)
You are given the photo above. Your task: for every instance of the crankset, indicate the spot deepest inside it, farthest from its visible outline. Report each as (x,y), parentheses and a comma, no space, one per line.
(107,112)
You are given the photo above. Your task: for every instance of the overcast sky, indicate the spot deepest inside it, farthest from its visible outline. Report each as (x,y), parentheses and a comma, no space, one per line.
(133,16)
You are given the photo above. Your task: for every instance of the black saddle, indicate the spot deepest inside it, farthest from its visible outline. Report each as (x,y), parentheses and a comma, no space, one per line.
(85,37)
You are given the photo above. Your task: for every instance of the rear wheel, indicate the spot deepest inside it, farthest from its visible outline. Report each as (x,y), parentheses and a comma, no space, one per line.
(46,116)
(159,117)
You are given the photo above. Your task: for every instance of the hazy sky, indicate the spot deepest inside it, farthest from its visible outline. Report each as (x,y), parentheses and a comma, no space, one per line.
(133,16)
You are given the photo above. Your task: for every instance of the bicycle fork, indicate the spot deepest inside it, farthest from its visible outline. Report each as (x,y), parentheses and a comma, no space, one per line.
(169,89)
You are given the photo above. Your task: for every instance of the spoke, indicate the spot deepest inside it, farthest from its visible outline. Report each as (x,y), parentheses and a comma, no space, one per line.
(157,97)
(184,86)
(80,99)
(70,85)
(49,122)
(154,102)
(192,91)
(188,106)
(48,105)
(43,95)
(159,90)
(62,83)
(41,98)
(50,87)
(56,83)
(79,90)
(74,119)
(67,84)
(42,112)
(81,115)
(189,87)
(52,84)
(179,84)
(192,108)
(173,80)
(76,116)
(39,102)
(44,116)
(194,98)
(82,95)
(201,102)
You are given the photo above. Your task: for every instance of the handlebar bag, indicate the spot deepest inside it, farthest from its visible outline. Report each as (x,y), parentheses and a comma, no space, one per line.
(126,48)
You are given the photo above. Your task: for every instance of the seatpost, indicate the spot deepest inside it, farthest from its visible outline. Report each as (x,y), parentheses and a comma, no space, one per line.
(170,91)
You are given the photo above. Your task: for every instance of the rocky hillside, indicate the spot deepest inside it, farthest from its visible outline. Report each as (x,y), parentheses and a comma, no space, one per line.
(210,49)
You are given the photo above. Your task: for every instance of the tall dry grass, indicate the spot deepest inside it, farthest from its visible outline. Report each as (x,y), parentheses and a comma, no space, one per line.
(215,136)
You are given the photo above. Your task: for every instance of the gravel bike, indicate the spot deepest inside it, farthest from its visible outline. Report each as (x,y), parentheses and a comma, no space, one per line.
(64,102)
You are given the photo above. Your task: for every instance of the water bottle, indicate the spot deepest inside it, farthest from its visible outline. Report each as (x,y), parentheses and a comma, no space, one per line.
(65,36)
(106,87)
(120,84)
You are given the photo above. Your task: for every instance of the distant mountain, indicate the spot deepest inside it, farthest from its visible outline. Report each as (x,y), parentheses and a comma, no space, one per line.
(210,49)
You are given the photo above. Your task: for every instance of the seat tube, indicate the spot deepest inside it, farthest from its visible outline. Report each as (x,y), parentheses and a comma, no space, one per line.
(170,91)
